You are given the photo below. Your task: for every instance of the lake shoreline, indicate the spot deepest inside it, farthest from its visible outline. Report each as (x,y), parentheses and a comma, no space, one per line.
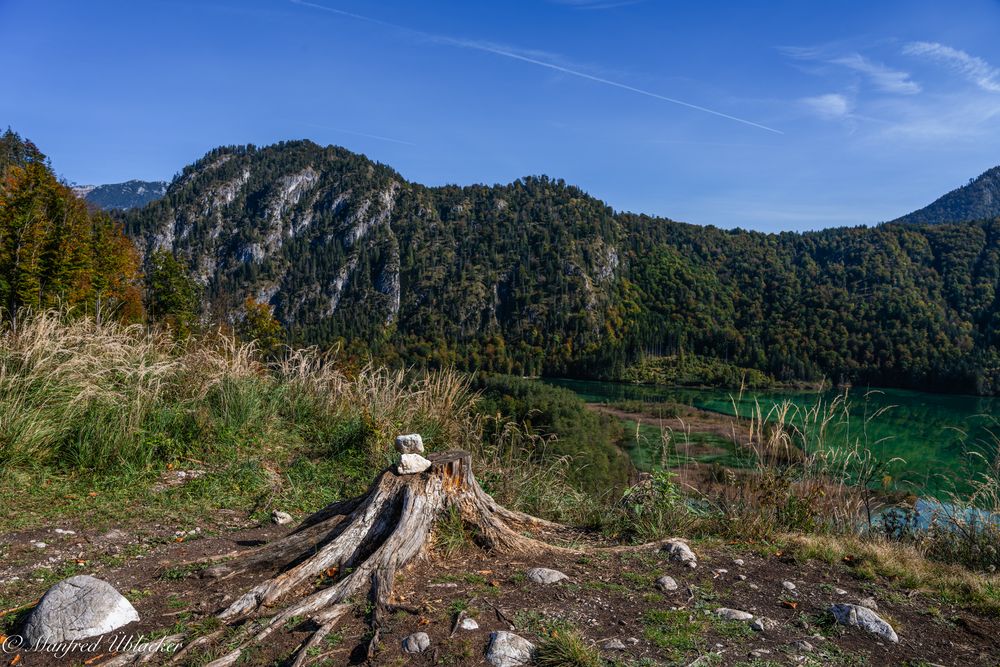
(941,441)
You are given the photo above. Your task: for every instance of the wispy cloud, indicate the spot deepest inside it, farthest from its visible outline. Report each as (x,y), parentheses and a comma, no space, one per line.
(973,68)
(830,106)
(533,58)
(884,78)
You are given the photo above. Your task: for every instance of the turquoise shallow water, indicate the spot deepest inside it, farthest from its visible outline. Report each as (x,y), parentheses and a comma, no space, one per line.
(937,436)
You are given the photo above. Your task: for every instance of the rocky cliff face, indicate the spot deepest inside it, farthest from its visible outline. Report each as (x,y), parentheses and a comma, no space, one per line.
(536,276)
(122,196)
(341,246)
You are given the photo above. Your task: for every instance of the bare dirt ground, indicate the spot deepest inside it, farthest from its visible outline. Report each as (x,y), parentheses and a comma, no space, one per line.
(607,597)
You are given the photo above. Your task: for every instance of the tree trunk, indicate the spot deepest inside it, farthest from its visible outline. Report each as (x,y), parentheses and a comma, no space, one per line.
(362,543)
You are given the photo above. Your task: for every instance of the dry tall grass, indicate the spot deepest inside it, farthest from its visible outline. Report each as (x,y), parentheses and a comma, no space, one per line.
(106,398)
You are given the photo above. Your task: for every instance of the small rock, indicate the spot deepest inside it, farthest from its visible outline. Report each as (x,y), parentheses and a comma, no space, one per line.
(788,586)
(543,575)
(60,531)
(411,464)
(666,583)
(410,444)
(762,624)
(720,572)
(444,585)
(840,591)
(39,545)
(741,577)
(753,586)
(418,642)
(733,614)
(469,624)
(633,640)
(78,608)
(862,617)
(738,562)
(509,650)
(804,646)
(280,518)
(869,602)
(614,645)
(759,653)
(678,550)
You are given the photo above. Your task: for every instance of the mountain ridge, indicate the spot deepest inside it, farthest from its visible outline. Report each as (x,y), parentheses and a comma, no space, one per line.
(979,199)
(121,196)
(536,276)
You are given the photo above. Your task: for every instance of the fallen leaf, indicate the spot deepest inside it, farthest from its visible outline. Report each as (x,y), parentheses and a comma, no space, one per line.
(330,572)
(3,638)
(16,660)
(94,659)
(789,603)
(80,561)
(92,494)
(178,539)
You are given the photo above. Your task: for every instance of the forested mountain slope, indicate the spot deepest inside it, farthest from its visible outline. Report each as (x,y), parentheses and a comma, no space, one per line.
(538,277)
(979,199)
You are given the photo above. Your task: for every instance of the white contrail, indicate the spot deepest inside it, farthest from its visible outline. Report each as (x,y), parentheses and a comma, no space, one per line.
(479,46)
(608,82)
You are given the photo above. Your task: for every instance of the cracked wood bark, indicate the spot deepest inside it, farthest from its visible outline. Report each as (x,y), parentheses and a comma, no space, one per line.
(364,542)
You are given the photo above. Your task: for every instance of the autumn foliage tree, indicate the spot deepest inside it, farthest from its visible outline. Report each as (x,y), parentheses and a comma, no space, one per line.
(54,252)
(260,325)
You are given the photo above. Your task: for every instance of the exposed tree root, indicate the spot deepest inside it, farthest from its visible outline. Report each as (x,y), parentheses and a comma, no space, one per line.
(360,544)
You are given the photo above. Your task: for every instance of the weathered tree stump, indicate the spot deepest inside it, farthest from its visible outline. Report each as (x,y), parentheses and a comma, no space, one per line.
(367,539)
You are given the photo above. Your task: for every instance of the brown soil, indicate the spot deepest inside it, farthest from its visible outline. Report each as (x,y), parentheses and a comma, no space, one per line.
(608,596)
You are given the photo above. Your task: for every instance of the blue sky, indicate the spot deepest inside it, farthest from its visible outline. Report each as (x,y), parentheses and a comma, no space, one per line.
(771,116)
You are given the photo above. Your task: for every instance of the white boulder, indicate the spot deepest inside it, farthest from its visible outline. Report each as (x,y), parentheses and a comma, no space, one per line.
(78,608)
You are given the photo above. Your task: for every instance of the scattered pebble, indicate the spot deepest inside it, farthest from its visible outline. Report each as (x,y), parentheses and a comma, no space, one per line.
(469,624)
(544,575)
(666,583)
(733,614)
(738,562)
(508,650)
(280,518)
(679,551)
(614,645)
(788,586)
(418,642)
(864,618)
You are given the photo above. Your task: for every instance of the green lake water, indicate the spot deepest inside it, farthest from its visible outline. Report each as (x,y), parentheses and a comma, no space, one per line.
(935,435)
